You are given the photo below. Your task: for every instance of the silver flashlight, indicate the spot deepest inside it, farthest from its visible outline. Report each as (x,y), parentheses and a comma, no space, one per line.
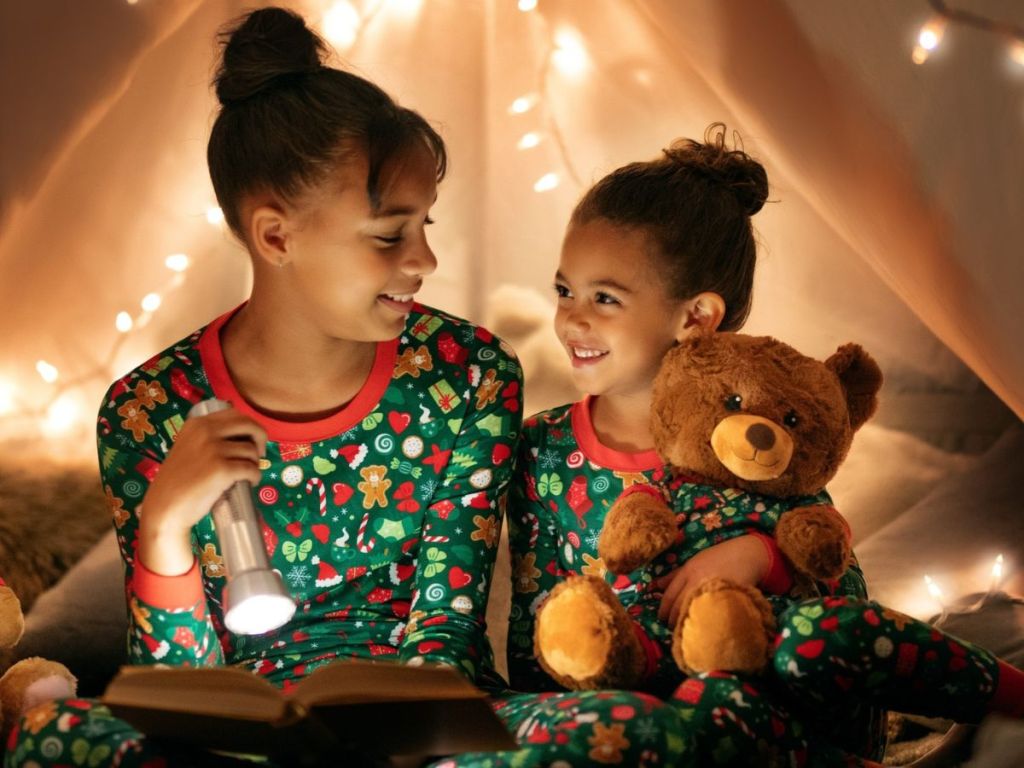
(255,600)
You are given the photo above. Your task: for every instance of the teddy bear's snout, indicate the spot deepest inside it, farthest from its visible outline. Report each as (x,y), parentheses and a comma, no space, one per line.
(752,447)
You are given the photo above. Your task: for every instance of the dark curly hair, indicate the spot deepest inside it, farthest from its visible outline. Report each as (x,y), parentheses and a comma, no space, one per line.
(694,203)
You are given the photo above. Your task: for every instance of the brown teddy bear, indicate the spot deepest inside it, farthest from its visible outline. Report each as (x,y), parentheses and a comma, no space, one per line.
(751,431)
(30,681)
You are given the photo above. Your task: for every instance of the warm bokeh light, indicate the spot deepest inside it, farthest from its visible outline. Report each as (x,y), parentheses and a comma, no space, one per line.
(215,215)
(933,589)
(6,397)
(47,371)
(527,5)
(523,104)
(151,302)
(1017,52)
(177,262)
(407,8)
(529,140)
(920,55)
(341,24)
(569,56)
(546,182)
(123,322)
(61,416)
(997,572)
(931,34)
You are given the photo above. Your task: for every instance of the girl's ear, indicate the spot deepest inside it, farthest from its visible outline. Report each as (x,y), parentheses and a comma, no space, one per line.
(269,235)
(701,314)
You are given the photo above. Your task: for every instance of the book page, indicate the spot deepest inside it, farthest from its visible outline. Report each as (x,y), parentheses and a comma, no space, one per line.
(210,691)
(349,682)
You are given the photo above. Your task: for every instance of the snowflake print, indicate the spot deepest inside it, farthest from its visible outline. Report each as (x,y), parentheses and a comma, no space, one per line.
(646,729)
(592,538)
(427,489)
(298,577)
(548,459)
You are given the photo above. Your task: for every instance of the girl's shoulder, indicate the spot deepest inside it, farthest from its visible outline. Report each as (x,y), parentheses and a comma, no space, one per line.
(439,339)
(551,425)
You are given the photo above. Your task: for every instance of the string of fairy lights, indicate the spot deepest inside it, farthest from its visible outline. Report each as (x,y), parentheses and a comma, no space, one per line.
(566,56)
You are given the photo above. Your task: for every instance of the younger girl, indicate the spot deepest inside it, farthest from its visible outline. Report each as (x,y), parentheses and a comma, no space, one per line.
(654,252)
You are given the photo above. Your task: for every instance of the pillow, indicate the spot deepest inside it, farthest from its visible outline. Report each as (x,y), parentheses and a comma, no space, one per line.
(885,474)
(952,534)
(82,621)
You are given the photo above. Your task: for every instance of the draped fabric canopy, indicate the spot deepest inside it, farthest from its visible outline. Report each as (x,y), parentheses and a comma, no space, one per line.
(896,188)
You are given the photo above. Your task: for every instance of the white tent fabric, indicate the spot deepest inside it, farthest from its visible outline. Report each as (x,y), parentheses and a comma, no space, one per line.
(898,187)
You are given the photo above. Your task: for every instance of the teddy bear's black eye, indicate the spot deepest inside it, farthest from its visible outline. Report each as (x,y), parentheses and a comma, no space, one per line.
(733,403)
(791,419)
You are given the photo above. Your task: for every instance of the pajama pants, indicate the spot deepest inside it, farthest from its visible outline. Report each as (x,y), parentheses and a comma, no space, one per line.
(837,662)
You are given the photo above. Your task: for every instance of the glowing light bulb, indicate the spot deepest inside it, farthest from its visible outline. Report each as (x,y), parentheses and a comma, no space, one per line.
(341,24)
(123,322)
(997,573)
(528,140)
(546,182)
(527,5)
(933,590)
(151,302)
(177,262)
(6,397)
(1017,52)
(928,39)
(523,104)
(61,416)
(569,56)
(47,371)
(215,215)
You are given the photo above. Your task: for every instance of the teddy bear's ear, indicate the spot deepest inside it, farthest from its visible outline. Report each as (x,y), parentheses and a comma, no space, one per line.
(861,379)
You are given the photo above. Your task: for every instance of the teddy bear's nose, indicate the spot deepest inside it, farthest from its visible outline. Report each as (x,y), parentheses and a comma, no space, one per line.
(760,436)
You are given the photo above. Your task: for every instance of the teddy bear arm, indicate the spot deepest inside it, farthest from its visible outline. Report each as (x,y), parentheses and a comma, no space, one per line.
(12,621)
(637,528)
(815,540)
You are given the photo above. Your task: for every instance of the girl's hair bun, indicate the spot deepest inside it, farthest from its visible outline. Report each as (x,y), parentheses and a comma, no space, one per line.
(733,169)
(270,47)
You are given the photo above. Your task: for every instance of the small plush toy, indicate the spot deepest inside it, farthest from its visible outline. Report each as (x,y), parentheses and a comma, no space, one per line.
(30,681)
(750,431)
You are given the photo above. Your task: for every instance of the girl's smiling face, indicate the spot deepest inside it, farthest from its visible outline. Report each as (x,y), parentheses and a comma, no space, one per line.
(351,270)
(615,317)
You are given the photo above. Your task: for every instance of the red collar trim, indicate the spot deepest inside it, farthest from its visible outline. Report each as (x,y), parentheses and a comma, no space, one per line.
(212,355)
(599,453)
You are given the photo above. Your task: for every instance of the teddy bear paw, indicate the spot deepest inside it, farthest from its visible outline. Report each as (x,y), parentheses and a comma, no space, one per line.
(724,626)
(636,529)
(585,639)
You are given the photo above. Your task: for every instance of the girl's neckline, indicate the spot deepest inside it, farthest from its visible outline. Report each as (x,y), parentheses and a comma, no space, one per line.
(592,447)
(212,355)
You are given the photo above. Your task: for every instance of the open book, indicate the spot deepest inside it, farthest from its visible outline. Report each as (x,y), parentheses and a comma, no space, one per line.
(345,708)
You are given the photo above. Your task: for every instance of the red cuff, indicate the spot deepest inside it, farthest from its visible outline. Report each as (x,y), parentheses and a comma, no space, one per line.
(652,651)
(167,592)
(778,580)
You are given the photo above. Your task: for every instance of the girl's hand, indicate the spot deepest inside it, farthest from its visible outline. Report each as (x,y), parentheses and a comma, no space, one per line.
(743,559)
(210,454)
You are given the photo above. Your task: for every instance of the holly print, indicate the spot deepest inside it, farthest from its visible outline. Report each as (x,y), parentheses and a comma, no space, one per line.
(383,519)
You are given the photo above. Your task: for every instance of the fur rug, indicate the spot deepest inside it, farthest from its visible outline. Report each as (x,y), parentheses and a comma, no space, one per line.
(50,515)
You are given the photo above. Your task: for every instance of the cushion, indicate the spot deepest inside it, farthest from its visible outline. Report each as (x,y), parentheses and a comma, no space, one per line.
(82,620)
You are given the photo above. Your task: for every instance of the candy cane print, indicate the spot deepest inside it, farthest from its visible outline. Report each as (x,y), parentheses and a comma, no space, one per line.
(361,544)
(534,530)
(717,715)
(316,482)
(435,539)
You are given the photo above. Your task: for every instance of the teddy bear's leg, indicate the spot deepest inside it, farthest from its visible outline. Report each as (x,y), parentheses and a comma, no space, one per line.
(724,626)
(816,540)
(31,682)
(585,639)
(636,529)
